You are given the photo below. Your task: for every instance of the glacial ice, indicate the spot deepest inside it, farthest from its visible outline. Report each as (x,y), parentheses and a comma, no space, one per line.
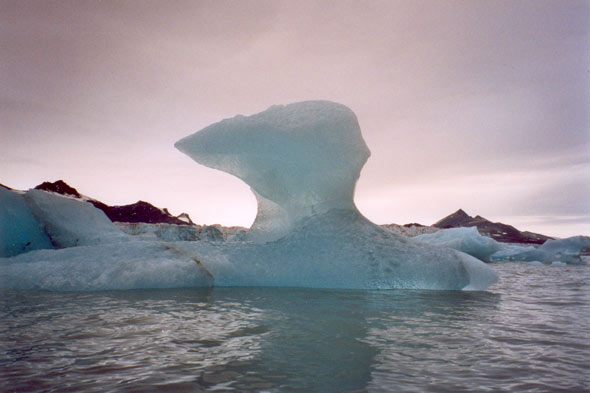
(470,241)
(94,254)
(19,230)
(302,162)
(467,240)
(340,249)
(559,250)
(132,265)
(172,232)
(70,222)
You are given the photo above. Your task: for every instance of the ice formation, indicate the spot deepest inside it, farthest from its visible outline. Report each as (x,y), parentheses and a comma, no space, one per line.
(567,250)
(470,241)
(172,232)
(94,254)
(71,222)
(132,265)
(302,162)
(467,240)
(19,230)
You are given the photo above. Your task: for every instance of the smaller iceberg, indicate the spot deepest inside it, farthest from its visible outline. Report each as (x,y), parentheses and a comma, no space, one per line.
(467,240)
(20,231)
(567,250)
(92,254)
(470,241)
(71,222)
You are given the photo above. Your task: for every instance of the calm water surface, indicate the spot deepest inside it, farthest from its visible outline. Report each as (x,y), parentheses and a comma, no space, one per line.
(529,333)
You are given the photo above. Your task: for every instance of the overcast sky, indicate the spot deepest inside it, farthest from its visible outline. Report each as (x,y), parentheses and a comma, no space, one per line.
(480,105)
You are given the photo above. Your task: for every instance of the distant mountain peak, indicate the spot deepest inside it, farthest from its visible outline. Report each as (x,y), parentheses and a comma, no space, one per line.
(496,230)
(454,220)
(60,187)
(139,211)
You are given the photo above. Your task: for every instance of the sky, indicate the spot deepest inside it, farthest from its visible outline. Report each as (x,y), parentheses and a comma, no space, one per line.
(480,105)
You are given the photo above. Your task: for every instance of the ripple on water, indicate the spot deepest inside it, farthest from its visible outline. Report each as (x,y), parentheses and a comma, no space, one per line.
(529,333)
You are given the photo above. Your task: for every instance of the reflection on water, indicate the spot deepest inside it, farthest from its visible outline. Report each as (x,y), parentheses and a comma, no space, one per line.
(529,333)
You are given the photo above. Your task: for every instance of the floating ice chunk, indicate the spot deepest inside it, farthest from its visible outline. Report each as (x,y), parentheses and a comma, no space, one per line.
(71,222)
(302,161)
(567,250)
(132,265)
(19,230)
(467,240)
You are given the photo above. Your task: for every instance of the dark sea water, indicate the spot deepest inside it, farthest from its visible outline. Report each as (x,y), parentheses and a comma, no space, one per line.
(528,333)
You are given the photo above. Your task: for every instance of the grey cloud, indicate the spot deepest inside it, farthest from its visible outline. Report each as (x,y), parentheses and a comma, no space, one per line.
(441,89)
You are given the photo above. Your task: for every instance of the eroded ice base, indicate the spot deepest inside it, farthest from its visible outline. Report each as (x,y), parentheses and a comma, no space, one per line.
(341,249)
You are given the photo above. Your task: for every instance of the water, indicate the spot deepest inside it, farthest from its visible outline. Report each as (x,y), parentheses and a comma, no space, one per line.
(529,333)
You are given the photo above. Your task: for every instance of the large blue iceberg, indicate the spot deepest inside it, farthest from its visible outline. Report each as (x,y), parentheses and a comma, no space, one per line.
(302,162)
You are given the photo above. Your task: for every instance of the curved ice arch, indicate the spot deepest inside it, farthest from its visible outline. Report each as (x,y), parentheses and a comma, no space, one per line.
(300,159)
(302,162)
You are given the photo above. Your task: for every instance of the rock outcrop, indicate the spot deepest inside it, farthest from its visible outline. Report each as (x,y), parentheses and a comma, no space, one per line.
(139,211)
(496,230)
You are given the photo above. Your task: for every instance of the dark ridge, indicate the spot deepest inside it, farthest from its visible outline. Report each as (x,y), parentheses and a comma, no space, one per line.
(138,212)
(8,188)
(496,230)
(59,187)
(455,220)
(414,224)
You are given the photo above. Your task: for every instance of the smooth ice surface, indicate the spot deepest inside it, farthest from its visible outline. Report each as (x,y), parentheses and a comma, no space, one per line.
(559,250)
(71,222)
(467,240)
(19,230)
(131,265)
(302,161)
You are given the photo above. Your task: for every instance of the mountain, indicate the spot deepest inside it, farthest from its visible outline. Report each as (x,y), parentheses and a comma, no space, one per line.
(496,230)
(136,212)
(59,187)
(144,212)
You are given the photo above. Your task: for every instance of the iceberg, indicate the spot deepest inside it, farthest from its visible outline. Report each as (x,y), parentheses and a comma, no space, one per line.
(302,162)
(19,230)
(470,241)
(467,240)
(92,254)
(70,222)
(567,250)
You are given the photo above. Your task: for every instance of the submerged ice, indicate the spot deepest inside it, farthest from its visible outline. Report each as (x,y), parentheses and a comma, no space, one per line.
(302,162)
